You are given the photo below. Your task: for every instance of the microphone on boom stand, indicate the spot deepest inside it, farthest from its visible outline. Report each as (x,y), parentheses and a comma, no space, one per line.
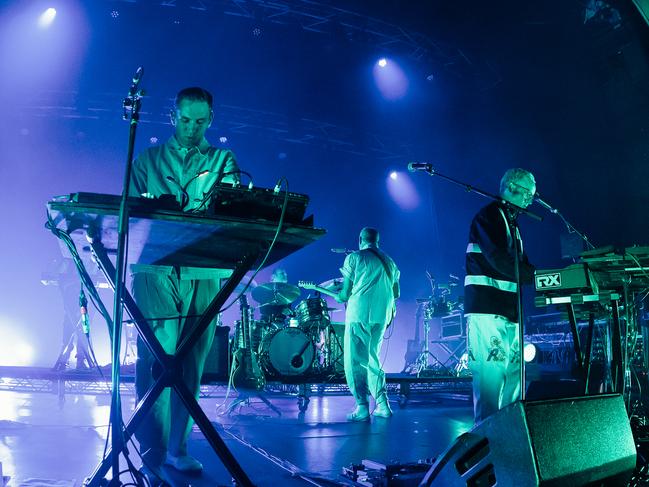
(420,166)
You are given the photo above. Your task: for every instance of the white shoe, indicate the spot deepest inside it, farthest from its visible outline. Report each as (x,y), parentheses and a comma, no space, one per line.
(184,463)
(361,413)
(382,410)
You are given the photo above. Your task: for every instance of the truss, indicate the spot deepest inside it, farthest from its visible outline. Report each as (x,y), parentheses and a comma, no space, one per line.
(329,20)
(231,120)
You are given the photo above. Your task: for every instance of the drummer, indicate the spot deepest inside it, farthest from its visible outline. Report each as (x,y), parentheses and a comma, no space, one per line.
(276,313)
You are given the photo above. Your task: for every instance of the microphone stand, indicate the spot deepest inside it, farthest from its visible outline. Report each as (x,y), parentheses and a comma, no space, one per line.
(569,226)
(517,255)
(131,105)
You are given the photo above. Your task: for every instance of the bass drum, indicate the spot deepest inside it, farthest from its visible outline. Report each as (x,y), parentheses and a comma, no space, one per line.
(287,352)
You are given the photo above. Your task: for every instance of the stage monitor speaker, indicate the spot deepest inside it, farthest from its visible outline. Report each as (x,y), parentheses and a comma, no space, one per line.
(217,364)
(567,442)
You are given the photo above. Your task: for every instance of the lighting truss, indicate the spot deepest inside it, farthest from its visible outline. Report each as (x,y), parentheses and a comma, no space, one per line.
(231,119)
(326,19)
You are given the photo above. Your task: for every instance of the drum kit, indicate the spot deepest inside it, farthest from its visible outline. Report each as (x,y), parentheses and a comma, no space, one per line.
(290,342)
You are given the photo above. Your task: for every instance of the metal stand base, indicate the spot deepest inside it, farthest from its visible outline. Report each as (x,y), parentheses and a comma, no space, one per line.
(244,400)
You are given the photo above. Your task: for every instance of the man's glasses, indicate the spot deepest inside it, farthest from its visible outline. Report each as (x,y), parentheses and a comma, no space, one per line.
(527,192)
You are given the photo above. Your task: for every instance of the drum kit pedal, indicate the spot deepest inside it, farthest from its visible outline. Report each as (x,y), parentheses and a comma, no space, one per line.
(287,343)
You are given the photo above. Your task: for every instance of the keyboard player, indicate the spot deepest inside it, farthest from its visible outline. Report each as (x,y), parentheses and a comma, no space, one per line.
(490,296)
(171,298)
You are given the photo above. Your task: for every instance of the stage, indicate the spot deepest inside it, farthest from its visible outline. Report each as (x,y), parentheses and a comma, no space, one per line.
(50,443)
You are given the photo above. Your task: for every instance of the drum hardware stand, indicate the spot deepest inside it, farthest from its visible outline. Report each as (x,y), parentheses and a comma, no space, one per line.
(244,399)
(421,363)
(64,356)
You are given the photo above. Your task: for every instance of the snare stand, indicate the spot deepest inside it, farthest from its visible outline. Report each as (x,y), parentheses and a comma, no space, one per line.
(244,400)
(421,363)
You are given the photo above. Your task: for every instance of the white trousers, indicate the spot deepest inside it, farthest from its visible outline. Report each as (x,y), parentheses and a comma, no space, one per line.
(363,369)
(494,361)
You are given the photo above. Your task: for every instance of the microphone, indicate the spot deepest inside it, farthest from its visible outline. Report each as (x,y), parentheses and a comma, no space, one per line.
(83,305)
(341,251)
(136,81)
(420,166)
(539,200)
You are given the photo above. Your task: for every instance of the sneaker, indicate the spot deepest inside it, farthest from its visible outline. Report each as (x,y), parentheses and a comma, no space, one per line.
(361,413)
(382,410)
(184,463)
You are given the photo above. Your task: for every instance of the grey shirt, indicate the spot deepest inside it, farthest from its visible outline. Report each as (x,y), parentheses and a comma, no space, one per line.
(167,168)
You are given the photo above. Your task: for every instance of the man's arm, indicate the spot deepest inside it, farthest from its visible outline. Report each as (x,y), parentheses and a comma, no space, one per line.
(137,186)
(345,292)
(230,169)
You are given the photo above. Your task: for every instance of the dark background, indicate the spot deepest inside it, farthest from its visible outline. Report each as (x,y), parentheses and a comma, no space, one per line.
(492,85)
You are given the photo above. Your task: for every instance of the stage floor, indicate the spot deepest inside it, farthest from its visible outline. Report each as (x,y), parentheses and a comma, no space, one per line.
(46,442)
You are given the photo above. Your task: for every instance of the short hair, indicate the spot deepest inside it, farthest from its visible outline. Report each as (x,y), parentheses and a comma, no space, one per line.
(513,175)
(194,93)
(279,272)
(370,235)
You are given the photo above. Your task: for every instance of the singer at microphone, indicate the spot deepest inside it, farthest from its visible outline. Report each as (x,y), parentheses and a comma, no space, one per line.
(420,166)
(491,288)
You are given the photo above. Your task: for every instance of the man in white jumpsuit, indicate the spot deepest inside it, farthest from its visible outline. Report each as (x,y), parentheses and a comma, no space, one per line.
(172,297)
(370,288)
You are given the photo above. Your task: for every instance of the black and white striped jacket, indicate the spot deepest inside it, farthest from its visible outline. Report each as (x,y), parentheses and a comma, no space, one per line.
(490,286)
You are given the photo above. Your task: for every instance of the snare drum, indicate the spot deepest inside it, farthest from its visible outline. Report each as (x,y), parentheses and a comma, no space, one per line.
(286,352)
(312,312)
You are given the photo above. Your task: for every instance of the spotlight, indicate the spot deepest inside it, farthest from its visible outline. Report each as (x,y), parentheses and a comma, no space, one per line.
(529,352)
(390,79)
(114,14)
(223,139)
(393,175)
(47,17)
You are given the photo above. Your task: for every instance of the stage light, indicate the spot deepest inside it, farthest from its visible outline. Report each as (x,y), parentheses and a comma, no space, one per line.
(47,17)
(529,352)
(390,79)
(14,349)
(402,190)
(223,139)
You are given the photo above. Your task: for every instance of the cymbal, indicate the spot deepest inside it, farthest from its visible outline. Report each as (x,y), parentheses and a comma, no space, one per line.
(275,293)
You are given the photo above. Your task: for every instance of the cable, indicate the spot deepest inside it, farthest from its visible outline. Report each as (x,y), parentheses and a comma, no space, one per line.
(214,189)
(270,248)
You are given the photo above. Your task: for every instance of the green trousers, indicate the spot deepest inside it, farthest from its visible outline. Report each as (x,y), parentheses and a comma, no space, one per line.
(172,308)
(363,371)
